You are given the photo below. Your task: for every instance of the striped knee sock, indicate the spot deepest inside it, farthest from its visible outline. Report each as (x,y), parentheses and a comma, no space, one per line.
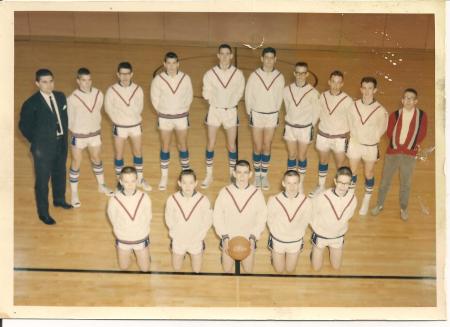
(257,163)
(232,158)
(209,157)
(323,171)
(353,182)
(184,159)
(265,160)
(73,177)
(164,158)
(302,164)
(369,186)
(97,168)
(291,164)
(118,165)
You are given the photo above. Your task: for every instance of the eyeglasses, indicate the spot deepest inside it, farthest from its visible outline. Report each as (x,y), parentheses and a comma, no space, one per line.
(342,183)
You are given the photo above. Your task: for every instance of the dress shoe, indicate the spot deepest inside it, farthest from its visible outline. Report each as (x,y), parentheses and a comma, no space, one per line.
(46,219)
(63,205)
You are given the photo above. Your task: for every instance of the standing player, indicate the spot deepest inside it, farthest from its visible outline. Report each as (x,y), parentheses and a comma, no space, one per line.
(130,213)
(332,210)
(84,107)
(240,210)
(124,102)
(407,128)
(263,98)
(301,101)
(367,121)
(288,216)
(333,127)
(223,87)
(171,95)
(188,215)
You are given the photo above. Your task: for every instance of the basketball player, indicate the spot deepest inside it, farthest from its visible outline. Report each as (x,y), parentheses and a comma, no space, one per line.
(188,216)
(130,213)
(407,128)
(333,127)
(240,210)
(171,95)
(263,98)
(84,107)
(223,87)
(368,122)
(301,101)
(124,102)
(332,210)
(288,216)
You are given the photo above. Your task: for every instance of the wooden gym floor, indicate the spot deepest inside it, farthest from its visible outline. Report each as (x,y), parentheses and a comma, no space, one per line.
(387,262)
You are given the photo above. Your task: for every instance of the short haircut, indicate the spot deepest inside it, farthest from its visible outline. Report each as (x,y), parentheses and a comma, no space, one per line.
(126,170)
(83,71)
(291,172)
(124,65)
(369,79)
(345,171)
(301,64)
(225,46)
(186,172)
(242,163)
(337,73)
(411,90)
(170,55)
(43,72)
(269,50)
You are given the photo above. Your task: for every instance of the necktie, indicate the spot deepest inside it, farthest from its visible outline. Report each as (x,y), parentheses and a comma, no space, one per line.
(58,127)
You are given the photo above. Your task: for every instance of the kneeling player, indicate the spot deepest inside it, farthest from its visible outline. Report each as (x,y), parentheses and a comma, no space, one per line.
(240,210)
(288,216)
(332,210)
(130,213)
(188,215)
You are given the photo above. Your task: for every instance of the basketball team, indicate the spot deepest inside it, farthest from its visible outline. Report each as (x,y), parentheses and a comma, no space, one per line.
(345,127)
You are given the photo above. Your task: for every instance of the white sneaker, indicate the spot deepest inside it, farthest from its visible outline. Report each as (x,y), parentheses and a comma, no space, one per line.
(75,201)
(319,189)
(207,181)
(105,190)
(265,183)
(144,185)
(364,208)
(163,183)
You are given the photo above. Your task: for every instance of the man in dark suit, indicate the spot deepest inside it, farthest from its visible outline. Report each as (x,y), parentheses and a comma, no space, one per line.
(43,121)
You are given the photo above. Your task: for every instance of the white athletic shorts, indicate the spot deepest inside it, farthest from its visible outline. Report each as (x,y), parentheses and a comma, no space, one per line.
(365,152)
(322,242)
(325,144)
(284,247)
(298,134)
(133,245)
(222,116)
(261,120)
(192,248)
(169,124)
(83,142)
(125,131)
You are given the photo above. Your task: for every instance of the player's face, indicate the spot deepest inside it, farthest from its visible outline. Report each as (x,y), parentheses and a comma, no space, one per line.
(342,184)
(291,184)
(335,83)
(129,182)
(85,82)
(125,75)
(187,184)
(300,74)
(368,90)
(46,84)
(409,100)
(242,175)
(268,61)
(225,56)
(171,65)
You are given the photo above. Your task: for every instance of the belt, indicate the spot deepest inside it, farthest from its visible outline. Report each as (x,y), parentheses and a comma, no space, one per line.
(297,125)
(167,116)
(266,113)
(271,235)
(338,136)
(127,126)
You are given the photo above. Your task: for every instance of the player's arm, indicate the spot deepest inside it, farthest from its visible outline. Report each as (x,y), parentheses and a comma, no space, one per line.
(155,93)
(27,120)
(315,103)
(206,218)
(422,130)
(168,213)
(249,93)
(139,100)
(109,104)
(261,216)
(112,212)
(391,125)
(279,93)
(71,112)
(271,212)
(240,87)
(219,212)
(189,92)
(207,88)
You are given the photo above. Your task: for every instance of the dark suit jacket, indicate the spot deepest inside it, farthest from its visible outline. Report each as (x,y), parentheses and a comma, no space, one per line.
(38,123)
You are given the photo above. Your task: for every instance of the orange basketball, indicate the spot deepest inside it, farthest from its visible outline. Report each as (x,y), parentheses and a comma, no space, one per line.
(239,248)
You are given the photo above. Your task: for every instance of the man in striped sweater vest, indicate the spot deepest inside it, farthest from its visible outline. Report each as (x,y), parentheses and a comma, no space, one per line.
(406,130)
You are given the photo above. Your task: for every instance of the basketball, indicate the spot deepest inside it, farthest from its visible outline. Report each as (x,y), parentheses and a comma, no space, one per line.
(239,248)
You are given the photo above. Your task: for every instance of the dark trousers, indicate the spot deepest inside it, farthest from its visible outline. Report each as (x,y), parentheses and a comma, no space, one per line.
(50,164)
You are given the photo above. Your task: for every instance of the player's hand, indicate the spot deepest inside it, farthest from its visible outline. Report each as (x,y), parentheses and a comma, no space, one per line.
(252,243)
(225,246)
